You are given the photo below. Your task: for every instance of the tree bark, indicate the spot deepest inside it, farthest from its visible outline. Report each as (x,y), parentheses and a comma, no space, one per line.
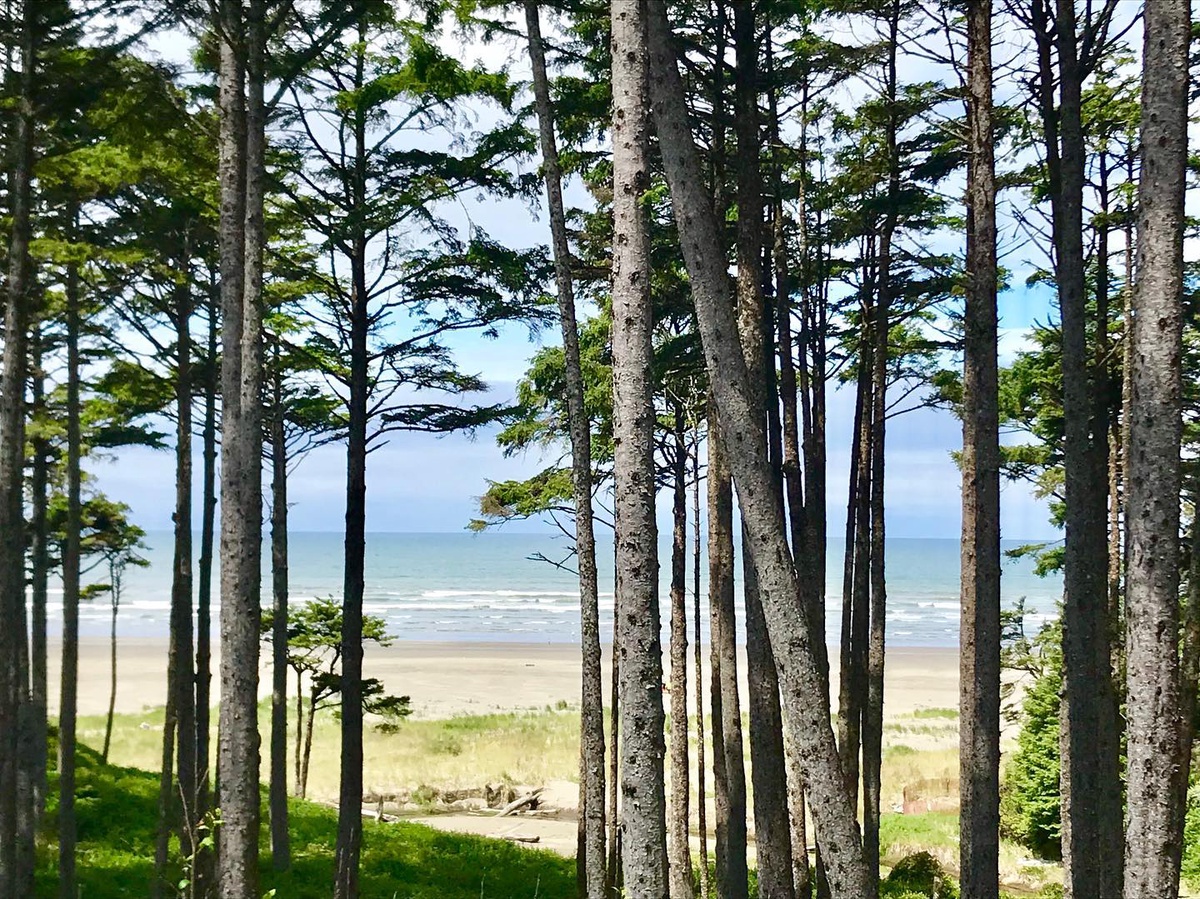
(115,600)
(678,819)
(349,840)
(1091,783)
(241,460)
(181,637)
(979,629)
(729,766)
(39,559)
(280,847)
(643,821)
(13,877)
(1156,769)
(786,619)
(591,849)
(68,701)
(701,794)
(204,585)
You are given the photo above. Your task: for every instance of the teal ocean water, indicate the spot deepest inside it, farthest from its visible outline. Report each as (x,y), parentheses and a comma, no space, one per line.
(492,586)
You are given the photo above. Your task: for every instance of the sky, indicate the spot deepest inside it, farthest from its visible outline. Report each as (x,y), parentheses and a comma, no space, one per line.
(426,483)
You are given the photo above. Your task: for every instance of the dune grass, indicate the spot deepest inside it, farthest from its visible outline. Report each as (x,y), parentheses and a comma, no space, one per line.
(117,814)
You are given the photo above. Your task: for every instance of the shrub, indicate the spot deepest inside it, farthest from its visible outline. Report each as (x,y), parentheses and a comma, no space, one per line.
(919,875)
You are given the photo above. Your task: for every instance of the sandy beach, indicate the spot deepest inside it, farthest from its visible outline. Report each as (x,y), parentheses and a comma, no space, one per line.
(446,679)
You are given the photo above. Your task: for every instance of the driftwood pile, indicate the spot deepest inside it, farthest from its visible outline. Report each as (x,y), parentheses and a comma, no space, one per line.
(491,800)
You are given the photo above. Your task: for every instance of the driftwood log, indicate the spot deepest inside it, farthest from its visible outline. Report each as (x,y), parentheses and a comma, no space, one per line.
(529,799)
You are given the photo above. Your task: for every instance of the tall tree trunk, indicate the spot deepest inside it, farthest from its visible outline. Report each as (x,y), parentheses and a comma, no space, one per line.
(39,559)
(1156,759)
(181,641)
(299,744)
(701,795)
(786,618)
(166,792)
(13,876)
(308,739)
(678,819)
(68,701)
(643,821)
(729,766)
(590,855)
(204,585)
(1089,740)
(241,448)
(349,838)
(880,329)
(771,824)
(979,629)
(280,848)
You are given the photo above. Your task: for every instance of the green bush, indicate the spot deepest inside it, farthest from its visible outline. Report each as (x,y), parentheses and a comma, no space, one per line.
(919,875)
(1030,810)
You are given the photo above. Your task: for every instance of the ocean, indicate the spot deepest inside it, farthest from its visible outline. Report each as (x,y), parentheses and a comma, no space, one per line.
(496,586)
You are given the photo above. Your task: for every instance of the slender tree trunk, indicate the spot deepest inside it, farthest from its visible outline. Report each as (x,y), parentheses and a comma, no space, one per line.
(590,855)
(68,702)
(880,329)
(729,767)
(308,738)
(349,840)
(701,796)
(181,638)
(1092,792)
(612,871)
(786,618)
(979,665)
(39,558)
(299,729)
(679,819)
(1156,759)
(14,878)
(115,595)
(771,824)
(166,782)
(204,586)
(241,448)
(643,821)
(280,848)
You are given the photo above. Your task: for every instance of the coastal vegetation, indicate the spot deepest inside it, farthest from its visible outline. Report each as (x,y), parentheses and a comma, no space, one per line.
(757,209)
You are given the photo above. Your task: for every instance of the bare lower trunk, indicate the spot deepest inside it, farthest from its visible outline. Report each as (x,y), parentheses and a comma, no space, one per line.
(1089,734)
(15,871)
(729,767)
(979,653)
(112,679)
(701,795)
(280,848)
(241,459)
(39,561)
(590,856)
(307,753)
(643,821)
(678,819)
(67,886)
(1156,758)
(787,623)
(204,582)
(299,753)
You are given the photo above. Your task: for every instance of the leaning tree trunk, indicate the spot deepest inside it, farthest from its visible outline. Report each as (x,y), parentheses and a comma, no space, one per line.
(241,137)
(280,848)
(591,849)
(15,875)
(979,665)
(1089,739)
(786,620)
(643,822)
(678,819)
(1155,756)
(772,827)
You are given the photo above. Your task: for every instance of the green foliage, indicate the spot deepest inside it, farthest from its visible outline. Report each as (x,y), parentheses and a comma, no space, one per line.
(918,875)
(1030,810)
(117,810)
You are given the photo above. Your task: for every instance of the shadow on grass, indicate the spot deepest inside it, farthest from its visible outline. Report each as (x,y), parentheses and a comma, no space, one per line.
(117,809)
